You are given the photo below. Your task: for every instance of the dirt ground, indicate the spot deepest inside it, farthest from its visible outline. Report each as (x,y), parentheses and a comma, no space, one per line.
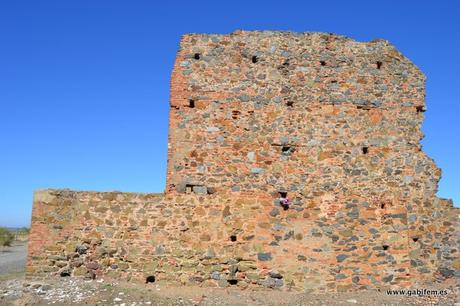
(68,291)
(15,290)
(13,259)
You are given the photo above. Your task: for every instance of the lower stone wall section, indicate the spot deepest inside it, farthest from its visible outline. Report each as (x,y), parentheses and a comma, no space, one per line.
(247,240)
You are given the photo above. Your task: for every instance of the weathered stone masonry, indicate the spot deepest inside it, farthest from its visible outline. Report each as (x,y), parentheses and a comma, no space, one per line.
(333,123)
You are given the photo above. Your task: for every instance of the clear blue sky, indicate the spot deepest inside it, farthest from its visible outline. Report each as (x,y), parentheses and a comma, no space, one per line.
(84,84)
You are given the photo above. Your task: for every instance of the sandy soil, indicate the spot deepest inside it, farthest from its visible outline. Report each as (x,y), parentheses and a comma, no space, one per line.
(70,291)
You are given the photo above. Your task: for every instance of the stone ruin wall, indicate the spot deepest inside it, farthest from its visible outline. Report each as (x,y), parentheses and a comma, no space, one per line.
(334,123)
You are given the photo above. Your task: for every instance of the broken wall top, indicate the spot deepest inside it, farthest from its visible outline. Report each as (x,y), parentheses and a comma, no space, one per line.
(299,112)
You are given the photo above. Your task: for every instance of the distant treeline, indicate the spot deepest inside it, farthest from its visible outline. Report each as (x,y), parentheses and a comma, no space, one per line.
(8,235)
(17,229)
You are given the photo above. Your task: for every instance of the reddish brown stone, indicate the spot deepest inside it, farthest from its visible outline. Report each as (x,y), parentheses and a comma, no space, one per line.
(315,119)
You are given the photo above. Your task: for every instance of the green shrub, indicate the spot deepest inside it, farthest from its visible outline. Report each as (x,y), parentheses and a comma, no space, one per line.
(6,237)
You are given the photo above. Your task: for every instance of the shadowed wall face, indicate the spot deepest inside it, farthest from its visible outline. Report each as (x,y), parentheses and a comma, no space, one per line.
(329,123)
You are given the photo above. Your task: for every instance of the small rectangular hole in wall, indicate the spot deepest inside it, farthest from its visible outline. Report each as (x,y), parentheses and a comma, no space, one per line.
(365,150)
(233,238)
(415,239)
(287,150)
(284,202)
(232,281)
(150,279)
(254,59)
(363,107)
(197,56)
(290,103)
(385,247)
(379,65)
(191,103)
(323,63)
(420,109)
